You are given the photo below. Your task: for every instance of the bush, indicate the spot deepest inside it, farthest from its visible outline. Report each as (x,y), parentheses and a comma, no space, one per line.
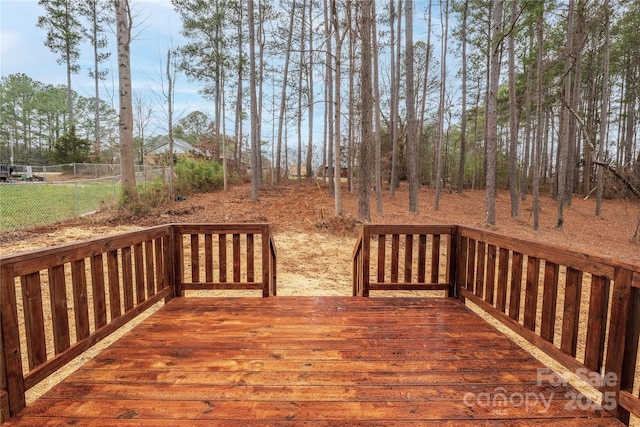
(197,176)
(148,195)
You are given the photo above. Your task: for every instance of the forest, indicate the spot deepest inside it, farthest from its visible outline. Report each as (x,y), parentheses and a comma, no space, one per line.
(526,95)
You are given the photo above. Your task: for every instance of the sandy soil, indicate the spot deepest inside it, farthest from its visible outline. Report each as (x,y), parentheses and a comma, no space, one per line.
(314,246)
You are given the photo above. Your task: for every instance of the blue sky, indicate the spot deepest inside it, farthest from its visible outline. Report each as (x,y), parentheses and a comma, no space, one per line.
(22,50)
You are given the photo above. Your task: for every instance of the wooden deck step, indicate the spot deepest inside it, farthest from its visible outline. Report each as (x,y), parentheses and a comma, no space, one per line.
(311,361)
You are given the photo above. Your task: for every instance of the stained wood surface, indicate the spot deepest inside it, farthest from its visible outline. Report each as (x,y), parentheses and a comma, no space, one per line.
(308,361)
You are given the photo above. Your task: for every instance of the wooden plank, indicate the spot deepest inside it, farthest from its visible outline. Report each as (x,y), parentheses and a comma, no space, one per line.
(160,266)
(382,246)
(435,258)
(98,291)
(491,274)
(395,257)
(265,240)
(616,341)
(138,259)
(58,304)
(480,268)
(150,273)
(629,364)
(222,257)
(114,284)
(531,293)
(516,285)
(250,259)
(571,314)
(408,258)
(471,261)
(33,319)
(127,278)
(195,258)
(365,267)
(422,258)
(549,300)
(11,339)
(80,298)
(461,266)
(596,326)
(208,257)
(177,263)
(503,276)
(236,258)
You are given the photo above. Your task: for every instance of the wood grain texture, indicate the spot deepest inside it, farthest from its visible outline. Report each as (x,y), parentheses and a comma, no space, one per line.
(307,361)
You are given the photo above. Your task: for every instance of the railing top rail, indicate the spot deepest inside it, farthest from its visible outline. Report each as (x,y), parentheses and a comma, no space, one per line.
(594,264)
(68,252)
(255,228)
(409,228)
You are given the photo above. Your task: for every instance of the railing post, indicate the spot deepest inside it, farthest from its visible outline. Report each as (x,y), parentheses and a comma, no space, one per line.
(169,262)
(365,257)
(616,348)
(452,258)
(178,261)
(11,357)
(461,264)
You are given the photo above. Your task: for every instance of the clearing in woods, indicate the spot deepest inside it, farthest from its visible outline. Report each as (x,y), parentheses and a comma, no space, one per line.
(315,247)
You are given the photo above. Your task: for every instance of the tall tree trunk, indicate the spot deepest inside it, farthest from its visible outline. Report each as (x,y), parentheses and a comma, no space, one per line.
(337,182)
(513,115)
(300,89)
(170,92)
(441,112)
(364,213)
(283,98)
(376,94)
(127,165)
(239,97)
(329,97)
(565,133)
(411,115)
(310,95)
(254,105)
(492,113)
(395,91)
(539,121)
(463,118)
(604,110)
(524,174)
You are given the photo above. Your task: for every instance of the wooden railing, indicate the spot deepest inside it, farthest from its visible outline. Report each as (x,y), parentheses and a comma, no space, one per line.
(404,257)
(581,310)
(224,256)
(58,302)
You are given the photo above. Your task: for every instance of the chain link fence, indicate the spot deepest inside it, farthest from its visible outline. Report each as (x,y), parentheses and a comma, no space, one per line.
(40,195)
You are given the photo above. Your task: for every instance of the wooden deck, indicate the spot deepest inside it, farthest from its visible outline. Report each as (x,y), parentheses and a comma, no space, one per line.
(311,361)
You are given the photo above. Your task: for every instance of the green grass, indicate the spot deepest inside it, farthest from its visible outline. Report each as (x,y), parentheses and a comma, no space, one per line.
(26,205)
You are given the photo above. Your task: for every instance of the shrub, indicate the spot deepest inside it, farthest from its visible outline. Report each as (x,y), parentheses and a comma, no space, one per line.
(197,176)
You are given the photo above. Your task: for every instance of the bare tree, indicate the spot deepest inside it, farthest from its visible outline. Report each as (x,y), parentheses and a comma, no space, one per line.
(376,94)
(441,110)
(513,115)
(339,38)
(127,165)
(604,110)
(492,113)
(254,105)
(364,212)
(463,118)
(411,115)
(283,98)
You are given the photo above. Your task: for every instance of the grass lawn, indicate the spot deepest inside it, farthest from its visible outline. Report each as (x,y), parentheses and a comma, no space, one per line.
(31,204)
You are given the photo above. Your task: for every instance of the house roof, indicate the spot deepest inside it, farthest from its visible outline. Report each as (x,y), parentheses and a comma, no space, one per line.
(180,146)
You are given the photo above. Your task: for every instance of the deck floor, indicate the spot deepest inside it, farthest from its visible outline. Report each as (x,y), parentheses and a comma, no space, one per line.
(310,361)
